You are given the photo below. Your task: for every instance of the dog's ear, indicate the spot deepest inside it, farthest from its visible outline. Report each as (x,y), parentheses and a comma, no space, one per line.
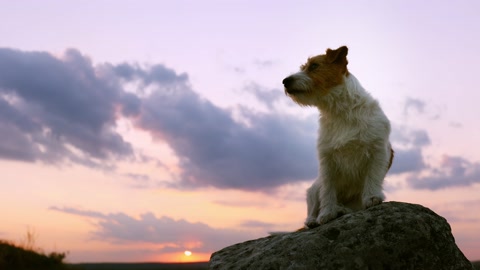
(338,56)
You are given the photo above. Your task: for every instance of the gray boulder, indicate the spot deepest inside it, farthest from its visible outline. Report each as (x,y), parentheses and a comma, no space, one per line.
(391,235)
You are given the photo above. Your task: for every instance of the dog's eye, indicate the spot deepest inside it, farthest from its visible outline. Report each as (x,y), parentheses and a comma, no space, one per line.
(312,66)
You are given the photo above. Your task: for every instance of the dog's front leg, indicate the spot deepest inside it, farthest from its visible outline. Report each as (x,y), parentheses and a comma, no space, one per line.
(313,204)
(328,202)
(329,206)
(372,190)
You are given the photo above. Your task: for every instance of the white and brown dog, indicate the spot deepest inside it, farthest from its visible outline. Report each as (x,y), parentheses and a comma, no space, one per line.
(353,145)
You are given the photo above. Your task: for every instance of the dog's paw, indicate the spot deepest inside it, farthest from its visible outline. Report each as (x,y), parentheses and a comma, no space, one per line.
(331,213)
(372,201)
(311,222)
(341,210)
(326,216)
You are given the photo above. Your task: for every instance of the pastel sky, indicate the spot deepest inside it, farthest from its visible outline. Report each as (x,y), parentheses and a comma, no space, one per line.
(135,130)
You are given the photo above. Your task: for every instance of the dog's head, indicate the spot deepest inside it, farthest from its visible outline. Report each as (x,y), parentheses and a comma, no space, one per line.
(317,77)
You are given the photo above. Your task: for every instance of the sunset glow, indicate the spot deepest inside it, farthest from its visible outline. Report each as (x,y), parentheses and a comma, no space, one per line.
(131,134)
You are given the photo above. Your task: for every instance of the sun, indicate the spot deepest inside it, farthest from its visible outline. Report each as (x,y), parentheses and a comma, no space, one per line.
(187,253)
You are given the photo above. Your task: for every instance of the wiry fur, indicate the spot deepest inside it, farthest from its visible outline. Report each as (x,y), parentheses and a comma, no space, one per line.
(353,145)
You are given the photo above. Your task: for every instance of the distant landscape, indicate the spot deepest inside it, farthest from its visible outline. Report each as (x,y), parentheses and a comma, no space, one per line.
(141,266)
(20,257)
(159,266)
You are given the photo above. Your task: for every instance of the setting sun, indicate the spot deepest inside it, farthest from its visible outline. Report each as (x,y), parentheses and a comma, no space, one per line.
(187,253)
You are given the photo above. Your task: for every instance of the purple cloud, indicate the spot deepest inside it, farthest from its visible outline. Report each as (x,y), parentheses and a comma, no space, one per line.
(176,235)
(453,171)
(50,105)
(65,109)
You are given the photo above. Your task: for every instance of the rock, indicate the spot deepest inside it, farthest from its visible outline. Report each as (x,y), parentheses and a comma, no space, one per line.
(391,235)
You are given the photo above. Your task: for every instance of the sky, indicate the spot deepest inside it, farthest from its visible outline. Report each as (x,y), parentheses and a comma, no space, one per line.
(136,130)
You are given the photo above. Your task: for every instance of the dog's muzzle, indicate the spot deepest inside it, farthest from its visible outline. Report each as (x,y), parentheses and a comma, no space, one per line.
(298,83)
(288,84)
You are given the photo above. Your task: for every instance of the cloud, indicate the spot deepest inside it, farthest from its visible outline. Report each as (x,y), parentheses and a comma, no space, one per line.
(413,105)
(65,109)
(52,108)
(455,124)
(215,150)
(267,97)
(58,109)
(453,171)
(408,145)
(79,212)
(138,177)
(263,63)
(257,224)
(154,74)
(410,138)
(175,235)
(410,160)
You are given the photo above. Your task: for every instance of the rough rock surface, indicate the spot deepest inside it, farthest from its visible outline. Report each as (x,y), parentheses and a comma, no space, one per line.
(392,235)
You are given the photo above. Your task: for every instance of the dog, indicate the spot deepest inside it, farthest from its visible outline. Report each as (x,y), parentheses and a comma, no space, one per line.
(354,150)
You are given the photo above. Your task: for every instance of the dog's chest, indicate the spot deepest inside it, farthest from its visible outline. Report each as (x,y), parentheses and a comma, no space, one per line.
(345,150)
(338,134)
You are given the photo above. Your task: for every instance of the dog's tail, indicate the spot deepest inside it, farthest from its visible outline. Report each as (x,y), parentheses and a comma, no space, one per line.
(278,233)
(392,154)
(283,233)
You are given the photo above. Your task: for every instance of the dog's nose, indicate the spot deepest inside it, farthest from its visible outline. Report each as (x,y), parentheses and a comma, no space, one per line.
(287,81)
